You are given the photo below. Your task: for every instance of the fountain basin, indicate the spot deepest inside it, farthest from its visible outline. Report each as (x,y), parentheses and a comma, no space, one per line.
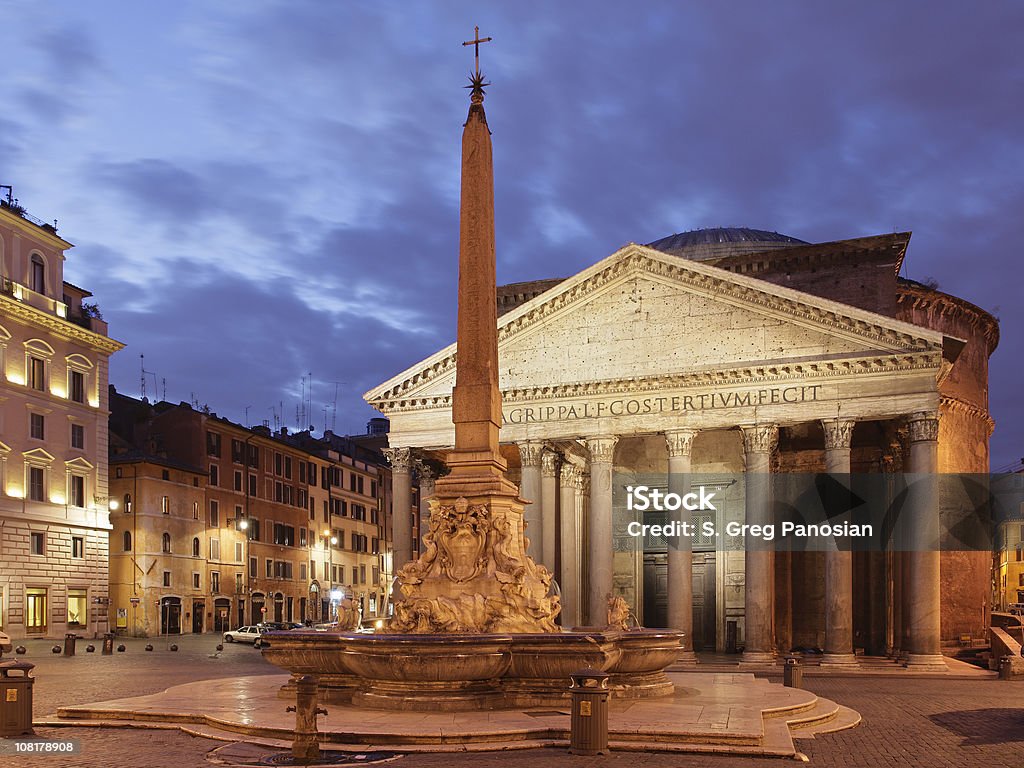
(459,672)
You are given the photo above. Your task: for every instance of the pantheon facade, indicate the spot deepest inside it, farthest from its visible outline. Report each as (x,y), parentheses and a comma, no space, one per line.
(729,352)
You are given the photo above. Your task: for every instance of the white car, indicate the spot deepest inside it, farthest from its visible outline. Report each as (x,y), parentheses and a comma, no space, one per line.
(249,634)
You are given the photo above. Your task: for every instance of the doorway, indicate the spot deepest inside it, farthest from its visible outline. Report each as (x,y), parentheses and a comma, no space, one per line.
(170,616)
(221,611)
(656,596)
(198,614)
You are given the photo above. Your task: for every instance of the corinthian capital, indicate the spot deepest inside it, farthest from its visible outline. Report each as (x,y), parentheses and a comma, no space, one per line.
(760,438)
(602,448)
(400,459)
(529,454)
(571,475)
(680,442)
(924,427)
(548,461)
(838,433)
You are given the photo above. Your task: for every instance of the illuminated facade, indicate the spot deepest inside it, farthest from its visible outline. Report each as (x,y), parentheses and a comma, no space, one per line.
(54,350)
(223,526)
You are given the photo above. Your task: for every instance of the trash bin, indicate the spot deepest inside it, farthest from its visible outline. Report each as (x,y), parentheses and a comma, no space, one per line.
(15,699)
(1006,668)
(108,644)
(69,643)
(792,673)
(588,733)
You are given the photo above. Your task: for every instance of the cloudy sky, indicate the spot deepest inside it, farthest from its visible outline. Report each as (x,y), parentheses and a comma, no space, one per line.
(261,190)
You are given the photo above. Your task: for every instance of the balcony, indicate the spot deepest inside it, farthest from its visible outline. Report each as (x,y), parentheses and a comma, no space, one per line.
(87,318)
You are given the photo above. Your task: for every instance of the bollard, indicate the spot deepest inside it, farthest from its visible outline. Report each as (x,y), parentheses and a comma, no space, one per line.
(149,647)
(69,643)
(108,644)
(174,647)
(15,699)
(120,648)
(90,648)
(306,746)
(1006,668)
(792,673)
(589,692)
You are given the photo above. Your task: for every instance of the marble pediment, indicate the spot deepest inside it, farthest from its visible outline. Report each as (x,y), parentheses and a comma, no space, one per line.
(641,316)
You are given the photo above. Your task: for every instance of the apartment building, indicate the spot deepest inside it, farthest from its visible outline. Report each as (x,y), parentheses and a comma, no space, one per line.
(259,525)
(54,350)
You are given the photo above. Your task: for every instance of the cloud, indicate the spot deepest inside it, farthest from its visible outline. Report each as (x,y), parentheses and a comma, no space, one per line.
(303,157)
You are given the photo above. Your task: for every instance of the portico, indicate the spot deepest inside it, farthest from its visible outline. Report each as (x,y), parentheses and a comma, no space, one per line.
(645,363)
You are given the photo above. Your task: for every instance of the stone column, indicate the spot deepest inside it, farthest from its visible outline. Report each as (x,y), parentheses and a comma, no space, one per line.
(680,548)
(426,475)
(759,442)
(924,603)
(569,581)
(838,565)
(529,491)
(401,505)
(602,451)
(548,500)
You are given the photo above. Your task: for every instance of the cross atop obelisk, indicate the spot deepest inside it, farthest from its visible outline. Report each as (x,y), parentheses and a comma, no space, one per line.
(475,42)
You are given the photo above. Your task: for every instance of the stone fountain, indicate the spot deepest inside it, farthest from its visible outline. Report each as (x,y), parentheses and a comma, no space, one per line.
(474,623)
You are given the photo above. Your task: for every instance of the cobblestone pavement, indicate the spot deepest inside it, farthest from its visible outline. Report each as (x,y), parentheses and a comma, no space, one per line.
(934,723)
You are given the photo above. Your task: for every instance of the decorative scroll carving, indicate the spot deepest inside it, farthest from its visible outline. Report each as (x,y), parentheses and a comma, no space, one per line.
(530,453)
(400,459)
(680,442)
(474,575)
(838,433)
(760,438)
(924,427)
(548,464)
(602,449)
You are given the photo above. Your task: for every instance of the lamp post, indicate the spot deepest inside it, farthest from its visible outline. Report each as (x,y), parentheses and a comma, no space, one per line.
(329,541)
(242,524)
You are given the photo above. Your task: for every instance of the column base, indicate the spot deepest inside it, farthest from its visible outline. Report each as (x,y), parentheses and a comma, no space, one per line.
(687,658)
(844,660)
(758,659)
(926,662)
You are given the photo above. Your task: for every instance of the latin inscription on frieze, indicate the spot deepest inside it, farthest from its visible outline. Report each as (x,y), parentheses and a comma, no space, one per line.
(641,406)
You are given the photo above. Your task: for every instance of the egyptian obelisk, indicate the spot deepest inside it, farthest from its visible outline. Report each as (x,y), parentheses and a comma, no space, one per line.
(474,574)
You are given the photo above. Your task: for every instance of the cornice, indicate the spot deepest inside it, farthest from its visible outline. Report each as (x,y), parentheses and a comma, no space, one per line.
(33,230)
(922,297)
(811,371)
(65,329)
(893,335)
(968,409)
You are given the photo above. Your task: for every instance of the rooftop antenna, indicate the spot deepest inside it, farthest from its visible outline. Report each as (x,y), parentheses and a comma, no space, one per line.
(143,373)
(163,381)
(334,407)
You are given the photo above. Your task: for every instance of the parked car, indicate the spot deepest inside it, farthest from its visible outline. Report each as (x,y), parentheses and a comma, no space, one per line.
(278,626)
(5,644)
(248,634)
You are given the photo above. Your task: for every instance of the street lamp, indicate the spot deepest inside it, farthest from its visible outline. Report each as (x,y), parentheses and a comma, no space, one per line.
(329,541)
(242,524)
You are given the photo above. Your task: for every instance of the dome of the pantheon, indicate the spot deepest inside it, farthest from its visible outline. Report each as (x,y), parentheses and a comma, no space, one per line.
(718,242)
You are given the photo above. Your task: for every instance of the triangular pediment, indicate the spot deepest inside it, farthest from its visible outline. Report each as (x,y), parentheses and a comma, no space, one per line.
(644,315)
(38,455)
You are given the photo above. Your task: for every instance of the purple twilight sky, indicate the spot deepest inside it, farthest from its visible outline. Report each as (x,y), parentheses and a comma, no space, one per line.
(262,190)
